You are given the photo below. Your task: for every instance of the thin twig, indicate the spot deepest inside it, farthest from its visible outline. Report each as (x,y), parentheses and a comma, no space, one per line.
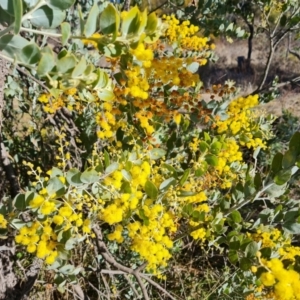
(132,286)
(33,78)
(157,286)
(106,286)
(74,294)
(135,272)
(279,85)
(99,292)
(296,54)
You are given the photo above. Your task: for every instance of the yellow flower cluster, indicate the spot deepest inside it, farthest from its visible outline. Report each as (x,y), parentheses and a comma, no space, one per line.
(114,180)
(188,79)
(229,154)
(242,121)
(199,234)
(114,212)
(106,120)
(242,104)
(39,238)
(116,235)
(222,174)
(269,237)
(285,283)
(54,216)
(192,186)
(56,103)
(52,104)
(3,222)
(273,238)
(142,54)
(137,83)
(150,239)
(64,214)
(91,41)
(184,33)
(144,117)
(140,174)
(177,117)
(289,252)
(171,70)
(151,222)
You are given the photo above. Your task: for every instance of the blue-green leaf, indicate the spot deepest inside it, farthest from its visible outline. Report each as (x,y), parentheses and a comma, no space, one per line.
(46,17)
(91,23)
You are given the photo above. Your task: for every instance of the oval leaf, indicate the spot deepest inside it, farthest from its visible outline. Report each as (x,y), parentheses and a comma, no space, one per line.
(61,5)
(66,64)
(19,202)
(111,168)
(131,22)
(282,177)
(277,162)
(236,216)
(251,249)
(91,23)
(55,186)
(184,177)
(157,153)
(30,54)
(12,45)
(89,176)
(65,32)
(289,159)
(167,183)
(73,177)
(109,20)
(47,17)
(151,190)
(294,144)
(212,160)
(46,64)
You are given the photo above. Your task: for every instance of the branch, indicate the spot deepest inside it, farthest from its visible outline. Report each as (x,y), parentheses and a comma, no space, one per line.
(33,78)
(267,67)
(46,33)
(110,259)
(273,46)
(126,270)
(270,87)
(132,286)
(94,288)
(78,291)
(157,286)
(296,54)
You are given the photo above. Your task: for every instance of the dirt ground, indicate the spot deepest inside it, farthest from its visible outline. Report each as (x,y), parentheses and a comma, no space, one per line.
(289,101)
(283,65)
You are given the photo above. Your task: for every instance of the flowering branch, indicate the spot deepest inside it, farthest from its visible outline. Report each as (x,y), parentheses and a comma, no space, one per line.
(126,270)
